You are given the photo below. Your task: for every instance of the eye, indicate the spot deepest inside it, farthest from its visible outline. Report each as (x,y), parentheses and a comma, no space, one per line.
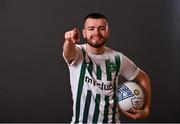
(90,29)
(102,28)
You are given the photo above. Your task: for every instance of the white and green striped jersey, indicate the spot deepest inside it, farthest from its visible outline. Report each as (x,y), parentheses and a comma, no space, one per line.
(93,80)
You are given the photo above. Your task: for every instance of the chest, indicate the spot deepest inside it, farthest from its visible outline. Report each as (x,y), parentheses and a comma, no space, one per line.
(101,74)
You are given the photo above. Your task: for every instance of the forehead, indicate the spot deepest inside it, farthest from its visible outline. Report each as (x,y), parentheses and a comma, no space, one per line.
(95,22)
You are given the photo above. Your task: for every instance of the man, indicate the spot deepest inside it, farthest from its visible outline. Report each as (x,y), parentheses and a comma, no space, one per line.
(94,71)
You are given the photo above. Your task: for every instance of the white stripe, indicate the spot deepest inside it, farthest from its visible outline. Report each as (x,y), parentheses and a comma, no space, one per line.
(101,106)
(82,104)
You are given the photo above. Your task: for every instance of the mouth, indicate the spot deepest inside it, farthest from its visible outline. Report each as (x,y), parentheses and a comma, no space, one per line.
(97,37)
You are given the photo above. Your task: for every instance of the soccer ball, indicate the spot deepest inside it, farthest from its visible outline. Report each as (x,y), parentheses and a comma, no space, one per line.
(130,95)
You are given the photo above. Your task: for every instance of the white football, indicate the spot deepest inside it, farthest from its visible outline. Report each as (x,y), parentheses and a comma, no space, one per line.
(130,95)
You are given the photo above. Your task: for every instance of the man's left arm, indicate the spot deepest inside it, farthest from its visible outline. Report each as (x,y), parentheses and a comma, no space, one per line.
(143,80)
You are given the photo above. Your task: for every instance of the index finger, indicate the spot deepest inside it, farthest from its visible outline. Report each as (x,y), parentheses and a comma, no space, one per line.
(76,30)
(77,34)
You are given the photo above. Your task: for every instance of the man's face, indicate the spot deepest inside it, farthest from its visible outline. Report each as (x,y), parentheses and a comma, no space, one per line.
(96,32)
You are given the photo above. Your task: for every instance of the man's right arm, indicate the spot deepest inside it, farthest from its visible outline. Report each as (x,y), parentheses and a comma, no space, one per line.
(69,49)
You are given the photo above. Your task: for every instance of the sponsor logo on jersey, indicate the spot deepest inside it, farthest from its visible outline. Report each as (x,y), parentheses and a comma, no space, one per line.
(101,85)
(111,67)
(134,67)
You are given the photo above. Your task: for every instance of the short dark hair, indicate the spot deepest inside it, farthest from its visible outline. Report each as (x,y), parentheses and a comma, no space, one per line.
(95,16)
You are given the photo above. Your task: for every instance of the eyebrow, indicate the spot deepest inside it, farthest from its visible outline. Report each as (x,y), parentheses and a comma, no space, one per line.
(95,27)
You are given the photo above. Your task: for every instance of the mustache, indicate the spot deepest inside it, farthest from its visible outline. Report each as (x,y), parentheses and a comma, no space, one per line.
(96,35)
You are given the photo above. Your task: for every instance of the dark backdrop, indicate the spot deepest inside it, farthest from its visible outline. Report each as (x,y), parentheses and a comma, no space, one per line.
(34,78)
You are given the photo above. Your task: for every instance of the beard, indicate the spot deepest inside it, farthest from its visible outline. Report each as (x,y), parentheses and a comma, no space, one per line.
(96,44)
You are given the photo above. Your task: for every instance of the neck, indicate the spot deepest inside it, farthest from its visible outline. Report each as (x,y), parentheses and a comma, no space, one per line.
(96,51)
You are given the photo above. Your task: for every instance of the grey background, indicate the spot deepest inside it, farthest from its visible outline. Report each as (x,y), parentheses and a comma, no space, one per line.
(34,78)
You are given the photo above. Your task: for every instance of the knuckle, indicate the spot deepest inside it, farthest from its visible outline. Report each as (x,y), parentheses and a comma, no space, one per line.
(134,117)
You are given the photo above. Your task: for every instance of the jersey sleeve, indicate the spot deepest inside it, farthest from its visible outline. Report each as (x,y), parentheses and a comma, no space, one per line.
(78,58)
(128,69)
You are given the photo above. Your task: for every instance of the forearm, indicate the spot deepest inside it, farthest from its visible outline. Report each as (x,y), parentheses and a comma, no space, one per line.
(71,39)
(69,50)
(144,81)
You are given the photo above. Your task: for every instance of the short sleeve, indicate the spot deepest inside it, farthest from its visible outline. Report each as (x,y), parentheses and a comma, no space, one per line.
(78,58)
(128,69)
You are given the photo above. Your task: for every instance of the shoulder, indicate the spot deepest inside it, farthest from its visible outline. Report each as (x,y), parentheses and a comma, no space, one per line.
(113,52)
(81,49)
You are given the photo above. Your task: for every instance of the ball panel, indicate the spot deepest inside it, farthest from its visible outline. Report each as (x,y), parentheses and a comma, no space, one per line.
(130,95)
(137,102)
(125,104)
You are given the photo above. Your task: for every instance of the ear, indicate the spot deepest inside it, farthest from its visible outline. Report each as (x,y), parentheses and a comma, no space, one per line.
(84,33)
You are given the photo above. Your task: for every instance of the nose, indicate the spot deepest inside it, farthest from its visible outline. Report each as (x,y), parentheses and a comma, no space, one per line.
(96,31)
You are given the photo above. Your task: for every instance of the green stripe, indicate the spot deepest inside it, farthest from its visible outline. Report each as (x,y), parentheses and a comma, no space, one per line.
(80,87)
(106,109)
(99,72)
(87,105)
(79,92)
(108,73)
(96,111)
(114,109)
(117,61)
(90,67)
(84,53)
